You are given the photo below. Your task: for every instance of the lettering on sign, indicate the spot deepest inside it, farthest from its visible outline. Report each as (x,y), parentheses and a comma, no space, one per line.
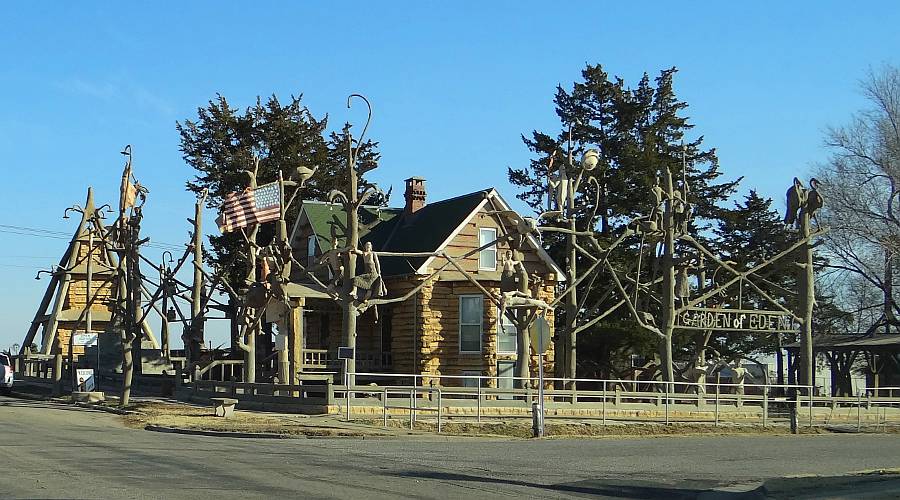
(701,318)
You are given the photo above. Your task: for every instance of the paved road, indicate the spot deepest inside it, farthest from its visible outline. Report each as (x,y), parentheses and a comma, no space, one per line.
(49,450)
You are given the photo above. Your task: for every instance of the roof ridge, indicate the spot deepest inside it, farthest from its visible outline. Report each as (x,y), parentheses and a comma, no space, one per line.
(483,191)
(320,202)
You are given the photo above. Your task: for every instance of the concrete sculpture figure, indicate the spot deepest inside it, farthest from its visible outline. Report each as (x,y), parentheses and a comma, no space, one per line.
(796,199)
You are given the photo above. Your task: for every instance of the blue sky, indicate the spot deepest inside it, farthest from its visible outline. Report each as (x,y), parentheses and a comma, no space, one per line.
(453,85)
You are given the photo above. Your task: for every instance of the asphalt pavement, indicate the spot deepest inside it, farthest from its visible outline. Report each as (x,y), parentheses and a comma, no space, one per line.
(51,450)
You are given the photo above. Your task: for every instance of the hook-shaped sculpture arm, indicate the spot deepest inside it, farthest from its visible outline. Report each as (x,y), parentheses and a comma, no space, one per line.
(368,191)
(55,269)
(127,153)
(73,208)
(335,194)
(359,141)
(101,211)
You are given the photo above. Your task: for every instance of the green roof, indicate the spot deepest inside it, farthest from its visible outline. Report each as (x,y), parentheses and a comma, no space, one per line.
(324,216)
(390,230)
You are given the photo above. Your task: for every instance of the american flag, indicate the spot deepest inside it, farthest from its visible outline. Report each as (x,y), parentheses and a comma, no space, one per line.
(251,206)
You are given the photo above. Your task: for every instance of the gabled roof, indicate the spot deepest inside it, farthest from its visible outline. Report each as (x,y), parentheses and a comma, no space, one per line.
(426,230)
(491,195)
(322,216)
(430,229)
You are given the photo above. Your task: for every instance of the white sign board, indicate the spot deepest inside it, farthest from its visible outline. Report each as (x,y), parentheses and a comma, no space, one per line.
(85,339)
(85,379)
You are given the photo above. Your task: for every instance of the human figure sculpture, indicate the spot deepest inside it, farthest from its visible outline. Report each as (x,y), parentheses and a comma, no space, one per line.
(508,273)
(561,188)
(655,222)
(658,192)
(681,211)
(520,300)
(697,374)
(740,375)
(370,280)
(682,283)
(264,269)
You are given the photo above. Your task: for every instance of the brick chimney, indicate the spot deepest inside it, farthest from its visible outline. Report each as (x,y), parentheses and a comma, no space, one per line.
(415,195)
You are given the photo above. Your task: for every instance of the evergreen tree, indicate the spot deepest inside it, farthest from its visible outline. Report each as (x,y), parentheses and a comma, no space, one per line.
(748,235)
(220,145)
(639,132)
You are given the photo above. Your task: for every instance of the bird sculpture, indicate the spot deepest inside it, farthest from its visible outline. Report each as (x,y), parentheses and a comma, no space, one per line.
(303,173)
(590,159)
(814,199)
(796,199)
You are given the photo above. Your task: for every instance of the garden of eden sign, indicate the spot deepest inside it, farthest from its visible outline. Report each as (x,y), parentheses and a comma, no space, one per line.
(701,318)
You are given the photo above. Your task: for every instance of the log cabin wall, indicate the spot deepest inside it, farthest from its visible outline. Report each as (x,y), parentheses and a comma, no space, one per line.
(405,325)
(75,300)
(437,309)
(468,240)
(440,352)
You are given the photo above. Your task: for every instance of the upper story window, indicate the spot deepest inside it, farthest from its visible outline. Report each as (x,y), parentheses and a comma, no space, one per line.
(471,314)
(311,250)
(487,258)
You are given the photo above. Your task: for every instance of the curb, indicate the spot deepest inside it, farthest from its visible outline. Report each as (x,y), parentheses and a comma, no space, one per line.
(89,406)
(230,434)
(29,396)
(107,409)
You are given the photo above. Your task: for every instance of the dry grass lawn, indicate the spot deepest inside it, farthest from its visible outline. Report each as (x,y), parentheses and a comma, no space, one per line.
(200,418)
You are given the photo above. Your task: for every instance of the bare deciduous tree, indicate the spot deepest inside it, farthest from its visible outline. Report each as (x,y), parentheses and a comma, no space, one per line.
(861,183)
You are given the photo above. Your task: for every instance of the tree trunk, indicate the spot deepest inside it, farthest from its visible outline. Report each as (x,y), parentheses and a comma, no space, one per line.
(668,267)
(523,351)
(806,303)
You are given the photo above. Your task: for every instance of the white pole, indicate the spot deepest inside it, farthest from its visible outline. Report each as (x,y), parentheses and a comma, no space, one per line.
(541,389)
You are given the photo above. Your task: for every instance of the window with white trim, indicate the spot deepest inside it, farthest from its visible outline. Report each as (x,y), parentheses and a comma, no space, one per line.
(311,250)
(506,334)
(471,314)
(487,258)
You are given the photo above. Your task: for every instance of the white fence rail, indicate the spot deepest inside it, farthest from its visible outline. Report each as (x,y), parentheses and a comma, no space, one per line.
(619,400)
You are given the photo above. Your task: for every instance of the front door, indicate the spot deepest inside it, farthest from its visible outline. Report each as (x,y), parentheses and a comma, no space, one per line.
(505,373)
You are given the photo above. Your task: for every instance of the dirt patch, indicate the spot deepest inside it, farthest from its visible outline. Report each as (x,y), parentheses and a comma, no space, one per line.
(200,418)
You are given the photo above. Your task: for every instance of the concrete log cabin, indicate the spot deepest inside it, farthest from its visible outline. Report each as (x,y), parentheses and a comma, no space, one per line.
(448,327)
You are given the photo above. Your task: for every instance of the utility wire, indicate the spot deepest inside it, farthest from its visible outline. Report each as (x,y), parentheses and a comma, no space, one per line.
(61,235)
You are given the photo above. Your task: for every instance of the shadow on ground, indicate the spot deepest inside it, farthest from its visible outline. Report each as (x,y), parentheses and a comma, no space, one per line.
(598,488)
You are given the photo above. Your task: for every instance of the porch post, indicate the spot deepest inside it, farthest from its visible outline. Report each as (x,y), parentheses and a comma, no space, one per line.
(295,341)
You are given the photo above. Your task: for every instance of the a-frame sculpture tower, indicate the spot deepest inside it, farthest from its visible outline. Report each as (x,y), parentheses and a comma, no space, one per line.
(64,308)
(80,298)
